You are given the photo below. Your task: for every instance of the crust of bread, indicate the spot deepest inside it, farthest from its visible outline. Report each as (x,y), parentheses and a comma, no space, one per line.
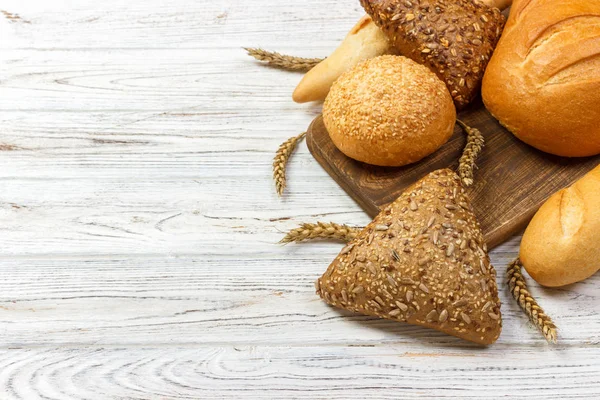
(389,111)
(561,245)
(543,81)
(499,4)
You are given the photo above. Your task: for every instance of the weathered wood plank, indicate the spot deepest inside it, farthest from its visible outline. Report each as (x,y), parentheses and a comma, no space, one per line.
(259,372)
(88,24)
(212,298)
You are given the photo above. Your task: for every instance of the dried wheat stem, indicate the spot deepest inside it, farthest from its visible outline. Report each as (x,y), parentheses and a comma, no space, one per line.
(518,289)
(321,230)
(281,159)
(282,61)
(475,143)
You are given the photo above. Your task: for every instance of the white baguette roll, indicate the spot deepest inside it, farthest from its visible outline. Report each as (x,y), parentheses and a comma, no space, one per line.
(363,42)
(562,243)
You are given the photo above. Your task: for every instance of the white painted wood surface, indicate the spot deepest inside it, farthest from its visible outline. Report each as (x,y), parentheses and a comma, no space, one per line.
(138,223)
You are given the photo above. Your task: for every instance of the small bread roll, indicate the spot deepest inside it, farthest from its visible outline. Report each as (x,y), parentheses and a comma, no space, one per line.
(389,111)
(562,243)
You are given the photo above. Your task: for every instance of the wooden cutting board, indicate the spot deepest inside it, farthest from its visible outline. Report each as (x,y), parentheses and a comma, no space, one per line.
(512,182)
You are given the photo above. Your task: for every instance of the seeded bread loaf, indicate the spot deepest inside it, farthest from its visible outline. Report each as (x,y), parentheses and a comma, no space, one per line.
(389,111)
(561,245)
(422,260)
(455,39)
(543,82)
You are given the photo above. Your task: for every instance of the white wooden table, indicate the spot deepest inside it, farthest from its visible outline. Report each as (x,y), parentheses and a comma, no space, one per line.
(139,223)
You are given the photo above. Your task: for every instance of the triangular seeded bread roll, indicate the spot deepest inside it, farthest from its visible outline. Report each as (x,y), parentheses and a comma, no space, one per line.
(422,260)
(455,39)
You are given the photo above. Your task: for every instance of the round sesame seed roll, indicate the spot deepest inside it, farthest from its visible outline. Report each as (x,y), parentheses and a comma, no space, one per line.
(389,111)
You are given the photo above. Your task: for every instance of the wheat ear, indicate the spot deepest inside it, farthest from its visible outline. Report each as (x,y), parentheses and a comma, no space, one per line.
(282,61)
(281,159)
(518,289)
(321,230)
(475,143)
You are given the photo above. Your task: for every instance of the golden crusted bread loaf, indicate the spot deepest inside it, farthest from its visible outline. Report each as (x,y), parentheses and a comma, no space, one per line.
(455,39)
(543,82)
(562,243)
(422,260)
(389,111)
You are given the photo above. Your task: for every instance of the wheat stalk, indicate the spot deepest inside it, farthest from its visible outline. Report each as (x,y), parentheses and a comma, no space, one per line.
(321,230)
(281,159)
(518,289)
(475,143)
(282,61)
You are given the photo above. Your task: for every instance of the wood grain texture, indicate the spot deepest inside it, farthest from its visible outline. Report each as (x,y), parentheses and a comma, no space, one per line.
(139,223)
(273,372)
(211,299)
(511,182)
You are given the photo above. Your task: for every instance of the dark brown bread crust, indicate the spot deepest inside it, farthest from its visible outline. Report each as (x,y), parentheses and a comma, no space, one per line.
(422,260)
(454,38)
